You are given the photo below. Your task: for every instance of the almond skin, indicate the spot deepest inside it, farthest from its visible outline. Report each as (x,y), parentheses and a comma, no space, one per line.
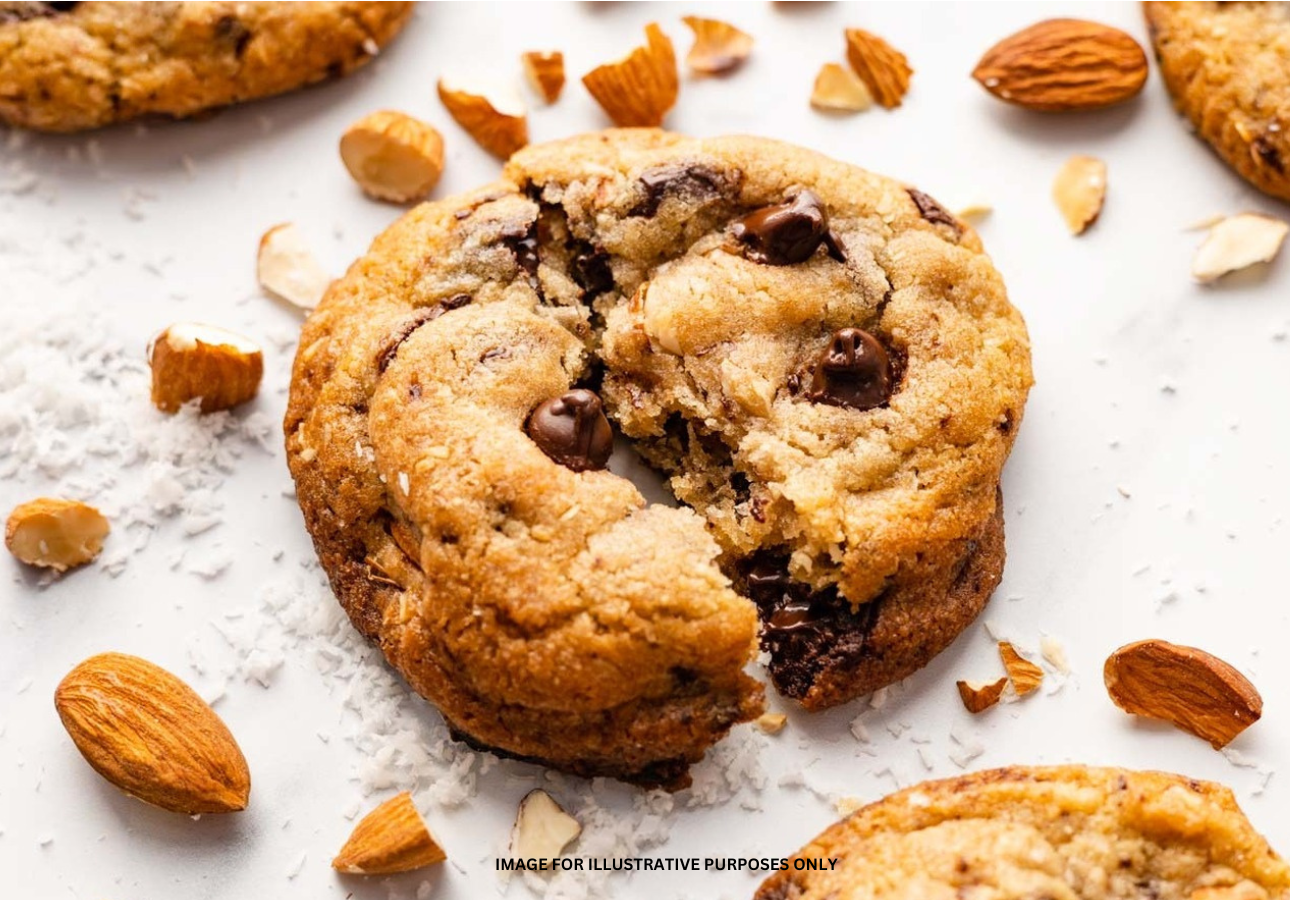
(390,839)
(150,735)
(1184,686)
(1064,64)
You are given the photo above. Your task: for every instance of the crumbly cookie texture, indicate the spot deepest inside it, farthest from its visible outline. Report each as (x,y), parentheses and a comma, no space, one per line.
(73,66)
(823,361)
(1067,833)
(1227,66)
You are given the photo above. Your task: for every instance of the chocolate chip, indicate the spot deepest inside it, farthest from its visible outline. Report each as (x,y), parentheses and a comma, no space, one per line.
(591,272)
(932,211)
(21,12)
(1265,150)
(684,182)
(411,324)
(231,30)
(572,430)
(787,233)
(853,371)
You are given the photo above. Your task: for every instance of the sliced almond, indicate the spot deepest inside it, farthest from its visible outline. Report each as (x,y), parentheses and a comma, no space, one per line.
(1026,677)
(882,67)
(150,735)
(838,89)
(640,88)
(393,156)
(1184,686)
(542,828)
(1078,191)
(390,839)
(287,269)
(979,696)
(771,722)
(190,361)
(719,47)
(545,73)
(1238,242)
(1064,64)
(492,113)
(55,534)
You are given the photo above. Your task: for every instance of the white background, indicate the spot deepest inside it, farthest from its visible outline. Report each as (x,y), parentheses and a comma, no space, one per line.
(1144,498)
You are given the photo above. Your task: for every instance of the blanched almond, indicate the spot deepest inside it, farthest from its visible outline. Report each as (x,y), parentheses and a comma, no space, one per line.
(545,72)
(978,696)
(1025,676)
(1184,686)
(542,828)
(390,839)
(882,67)
(1078,191)
(771,722)
(492,113)
(393,156)
(719,47)
(55,534)
(639,89)
(1236,243)
(838,89)
(150,735)
(190,361)
(287,269)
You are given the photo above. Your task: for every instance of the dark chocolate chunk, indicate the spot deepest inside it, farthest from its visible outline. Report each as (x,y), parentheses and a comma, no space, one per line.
(787,233)
(572,430)
(525,247)
(591,272)
(802,629)
(411,324)
(932,211)
(853,371)
(684,182)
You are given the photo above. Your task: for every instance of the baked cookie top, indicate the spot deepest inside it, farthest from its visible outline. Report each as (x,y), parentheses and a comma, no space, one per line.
(826,355)
(1227,66)
(1067,833)
(72,66)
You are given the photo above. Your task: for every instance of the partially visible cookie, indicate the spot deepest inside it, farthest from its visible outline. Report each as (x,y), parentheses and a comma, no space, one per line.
(1227,66)
(1061,833)
(73,66)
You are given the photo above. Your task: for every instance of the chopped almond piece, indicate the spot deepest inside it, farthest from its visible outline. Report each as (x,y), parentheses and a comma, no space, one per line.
(771,723)
(542,828)
(191,361)
(882,67)
(390,839)
(1078,191)
(838,89)
(979,696)
(393,156)
(719,47)
(55,534)
(639,89)
(1026,677)
(545,72)
(1236,243)
(286,268)
(492,114)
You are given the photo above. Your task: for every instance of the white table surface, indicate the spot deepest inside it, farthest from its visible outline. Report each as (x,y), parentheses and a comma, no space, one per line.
(1144,498)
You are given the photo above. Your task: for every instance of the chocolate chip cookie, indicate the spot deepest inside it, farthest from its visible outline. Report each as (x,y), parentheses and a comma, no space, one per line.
(1063,833)
(72,66)
(1227,66)
(821,361)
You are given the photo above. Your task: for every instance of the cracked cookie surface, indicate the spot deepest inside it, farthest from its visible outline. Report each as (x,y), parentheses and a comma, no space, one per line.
(1065,833)
(1227,66)
(73,66)
(830,375)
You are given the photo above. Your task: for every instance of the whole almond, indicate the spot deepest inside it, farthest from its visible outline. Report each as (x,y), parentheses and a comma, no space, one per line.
(150,735)
(1064,64)
(1187,687)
